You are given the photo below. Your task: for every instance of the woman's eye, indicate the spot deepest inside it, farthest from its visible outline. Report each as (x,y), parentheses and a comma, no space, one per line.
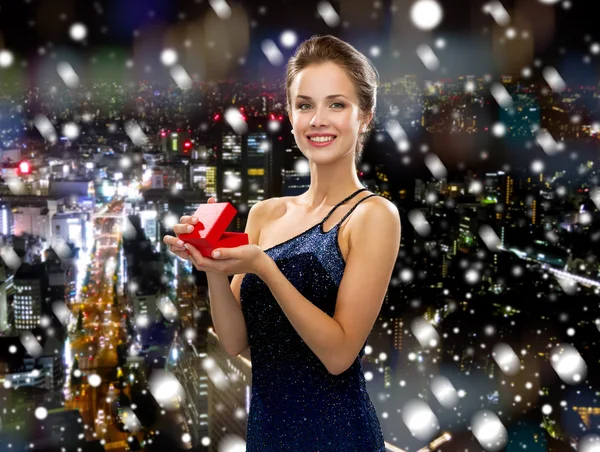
(334,105)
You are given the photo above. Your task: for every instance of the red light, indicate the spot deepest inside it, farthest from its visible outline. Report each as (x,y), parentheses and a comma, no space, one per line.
(24,167)
(187,144)
(163,134)
(217,116)
(272,116)
(280,118)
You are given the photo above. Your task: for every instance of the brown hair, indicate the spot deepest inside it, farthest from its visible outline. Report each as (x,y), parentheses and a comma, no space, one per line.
(364,77)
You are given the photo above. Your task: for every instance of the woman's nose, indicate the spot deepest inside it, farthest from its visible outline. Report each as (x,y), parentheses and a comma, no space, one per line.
(319,118)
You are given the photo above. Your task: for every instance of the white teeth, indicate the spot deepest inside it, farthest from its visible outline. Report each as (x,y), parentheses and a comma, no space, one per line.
(321,139)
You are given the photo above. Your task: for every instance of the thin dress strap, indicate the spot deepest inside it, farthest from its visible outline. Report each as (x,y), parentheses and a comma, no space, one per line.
(342,202)
(354,207)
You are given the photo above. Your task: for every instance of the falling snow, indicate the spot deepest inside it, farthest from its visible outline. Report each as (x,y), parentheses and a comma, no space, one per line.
(487,335)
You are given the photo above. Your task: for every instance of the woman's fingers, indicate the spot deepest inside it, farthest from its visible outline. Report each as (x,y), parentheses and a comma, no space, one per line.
(176,246)
(181,252)
(188,219)
(183,228)
(173,241)
(197,258)
(194,253)
(187,222)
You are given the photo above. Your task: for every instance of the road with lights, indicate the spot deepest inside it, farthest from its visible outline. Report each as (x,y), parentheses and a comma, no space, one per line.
(95,346)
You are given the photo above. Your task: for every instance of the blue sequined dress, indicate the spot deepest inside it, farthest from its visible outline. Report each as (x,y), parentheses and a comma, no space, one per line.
(296,404)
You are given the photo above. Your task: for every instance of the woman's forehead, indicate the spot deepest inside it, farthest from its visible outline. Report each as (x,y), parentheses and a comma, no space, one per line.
(322,81)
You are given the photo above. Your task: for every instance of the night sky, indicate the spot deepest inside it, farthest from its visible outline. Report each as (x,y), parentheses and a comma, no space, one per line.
(561,36)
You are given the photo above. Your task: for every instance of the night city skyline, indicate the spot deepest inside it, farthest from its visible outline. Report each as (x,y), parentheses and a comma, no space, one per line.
(117,118)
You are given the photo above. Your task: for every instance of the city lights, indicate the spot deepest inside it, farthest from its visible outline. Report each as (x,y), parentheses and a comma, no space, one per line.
(115,126)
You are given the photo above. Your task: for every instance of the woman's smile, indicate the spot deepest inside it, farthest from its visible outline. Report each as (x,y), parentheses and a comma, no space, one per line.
(321,140)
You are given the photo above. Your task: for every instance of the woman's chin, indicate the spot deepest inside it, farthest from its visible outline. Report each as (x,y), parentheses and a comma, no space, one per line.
(319,158)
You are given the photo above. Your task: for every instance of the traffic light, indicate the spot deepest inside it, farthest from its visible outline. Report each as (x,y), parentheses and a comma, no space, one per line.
(187,146)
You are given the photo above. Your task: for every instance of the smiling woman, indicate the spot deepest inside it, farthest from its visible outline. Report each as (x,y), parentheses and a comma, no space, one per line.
(309,313)
(305,295)
(322,119)
(345,80)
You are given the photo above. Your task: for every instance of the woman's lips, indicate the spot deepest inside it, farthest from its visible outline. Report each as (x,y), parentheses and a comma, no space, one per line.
(321,144)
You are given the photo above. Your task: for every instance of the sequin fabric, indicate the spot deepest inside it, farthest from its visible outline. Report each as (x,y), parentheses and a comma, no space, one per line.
(296,404)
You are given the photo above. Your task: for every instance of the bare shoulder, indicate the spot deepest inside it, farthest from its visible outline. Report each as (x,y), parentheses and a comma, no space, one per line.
(375,214)
(381,207)
(270,203)
(263,210)
(261,214)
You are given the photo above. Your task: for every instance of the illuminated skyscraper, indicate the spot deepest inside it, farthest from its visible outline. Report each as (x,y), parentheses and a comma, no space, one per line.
(249,165)
(31,285)
(296,178)
(257,172)
(508,190)
(204,177)
(231,148)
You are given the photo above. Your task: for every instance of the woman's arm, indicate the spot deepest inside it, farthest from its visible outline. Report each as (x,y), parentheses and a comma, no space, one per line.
(337,340)
(225,306)
(226,313)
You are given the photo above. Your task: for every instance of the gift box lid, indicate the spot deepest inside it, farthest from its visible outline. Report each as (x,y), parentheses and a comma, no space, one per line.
(213,219)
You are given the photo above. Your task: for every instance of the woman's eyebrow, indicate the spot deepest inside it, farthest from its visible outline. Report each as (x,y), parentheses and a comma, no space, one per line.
(331,96)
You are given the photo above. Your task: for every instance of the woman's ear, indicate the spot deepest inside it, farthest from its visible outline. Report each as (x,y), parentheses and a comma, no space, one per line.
(370,119)
(365,123)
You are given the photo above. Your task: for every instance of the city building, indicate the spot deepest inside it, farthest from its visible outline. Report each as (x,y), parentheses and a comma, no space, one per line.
(30,287)
(78,192)
(7,290)
(7,221)
(227,410)
(145,305)
(72,227)
(19,369)
(33,220)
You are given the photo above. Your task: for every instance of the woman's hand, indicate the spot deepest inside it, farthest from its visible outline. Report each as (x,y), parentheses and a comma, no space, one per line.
(231,261)
(185,225)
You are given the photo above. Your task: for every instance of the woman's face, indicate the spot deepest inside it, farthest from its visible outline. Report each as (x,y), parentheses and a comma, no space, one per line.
(325,113)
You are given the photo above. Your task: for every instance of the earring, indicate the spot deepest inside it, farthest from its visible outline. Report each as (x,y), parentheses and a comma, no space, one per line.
(292,131)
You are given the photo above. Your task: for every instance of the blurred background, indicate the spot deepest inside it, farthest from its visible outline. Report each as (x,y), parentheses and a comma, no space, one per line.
(118,117)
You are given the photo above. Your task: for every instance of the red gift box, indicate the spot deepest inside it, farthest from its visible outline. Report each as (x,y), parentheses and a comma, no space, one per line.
(209,233)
